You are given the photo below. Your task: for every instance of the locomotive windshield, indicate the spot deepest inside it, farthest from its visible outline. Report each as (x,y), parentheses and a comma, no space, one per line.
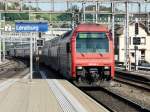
(92,42)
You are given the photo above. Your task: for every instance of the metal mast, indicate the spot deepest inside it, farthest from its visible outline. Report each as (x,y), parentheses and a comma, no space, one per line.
(127,58)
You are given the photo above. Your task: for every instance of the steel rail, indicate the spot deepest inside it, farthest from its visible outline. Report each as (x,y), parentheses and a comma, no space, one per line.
(132,76)
(6,64)
(141,85)
(135,105)
(134,80)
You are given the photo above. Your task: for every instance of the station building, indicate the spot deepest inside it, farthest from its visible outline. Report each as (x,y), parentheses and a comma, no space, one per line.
(143,52)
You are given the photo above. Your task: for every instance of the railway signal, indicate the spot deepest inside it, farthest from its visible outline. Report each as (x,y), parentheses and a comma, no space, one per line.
(148,26)
(136,28)
(40,42)
(136,40)
(40,34)
(76,17)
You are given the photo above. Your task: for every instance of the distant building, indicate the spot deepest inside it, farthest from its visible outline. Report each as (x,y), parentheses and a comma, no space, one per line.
(143,49)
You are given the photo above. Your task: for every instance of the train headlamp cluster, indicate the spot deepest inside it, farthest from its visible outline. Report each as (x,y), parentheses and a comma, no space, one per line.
(79,67)
(106,67)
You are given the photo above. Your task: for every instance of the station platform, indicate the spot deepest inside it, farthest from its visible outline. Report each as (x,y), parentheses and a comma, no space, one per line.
(46,95)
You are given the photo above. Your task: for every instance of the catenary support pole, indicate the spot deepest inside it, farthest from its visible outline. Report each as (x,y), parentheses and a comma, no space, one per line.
(34,44)
(0,38)
(113,21)
(136,48)
(83,5)
(97,10)
(94,14)
(4,50)
(127,57)
(31,58)
(0,47)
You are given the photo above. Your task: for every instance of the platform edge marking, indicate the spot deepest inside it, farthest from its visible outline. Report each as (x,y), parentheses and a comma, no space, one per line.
(7,84)
(65,102)
(70,97)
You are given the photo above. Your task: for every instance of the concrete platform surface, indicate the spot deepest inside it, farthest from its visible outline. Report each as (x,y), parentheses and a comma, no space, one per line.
(38,96)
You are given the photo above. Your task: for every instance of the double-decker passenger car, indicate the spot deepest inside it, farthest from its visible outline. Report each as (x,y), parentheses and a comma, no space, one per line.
(86,53)
(20,51)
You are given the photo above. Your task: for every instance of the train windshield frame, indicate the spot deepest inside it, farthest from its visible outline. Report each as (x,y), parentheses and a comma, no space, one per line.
(92,42)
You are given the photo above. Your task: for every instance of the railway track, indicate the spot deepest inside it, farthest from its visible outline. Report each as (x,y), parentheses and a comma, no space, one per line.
(138,84)
(116,101)
(132,77)
(113,101)
(12,69)
(133,80)
(6,64)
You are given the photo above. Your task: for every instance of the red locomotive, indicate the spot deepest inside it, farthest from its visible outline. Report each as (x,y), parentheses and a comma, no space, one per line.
(86,53)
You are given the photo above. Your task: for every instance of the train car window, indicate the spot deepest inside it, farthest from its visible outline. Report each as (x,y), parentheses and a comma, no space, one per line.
(92,35)
(92,42)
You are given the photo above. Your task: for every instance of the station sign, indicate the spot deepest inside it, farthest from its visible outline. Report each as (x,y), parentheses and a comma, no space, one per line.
(31,26)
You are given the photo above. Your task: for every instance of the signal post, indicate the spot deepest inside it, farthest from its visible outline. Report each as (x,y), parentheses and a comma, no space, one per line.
(39,45)
(30,27)
(136,42)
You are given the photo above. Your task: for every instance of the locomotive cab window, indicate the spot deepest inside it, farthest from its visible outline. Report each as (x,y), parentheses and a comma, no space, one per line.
(92,42)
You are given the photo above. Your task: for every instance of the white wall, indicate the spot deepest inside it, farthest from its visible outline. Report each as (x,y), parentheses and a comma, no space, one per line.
(142,33)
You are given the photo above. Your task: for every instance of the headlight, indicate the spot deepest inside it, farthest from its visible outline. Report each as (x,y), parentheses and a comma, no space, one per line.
(106,67)
(79,67)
